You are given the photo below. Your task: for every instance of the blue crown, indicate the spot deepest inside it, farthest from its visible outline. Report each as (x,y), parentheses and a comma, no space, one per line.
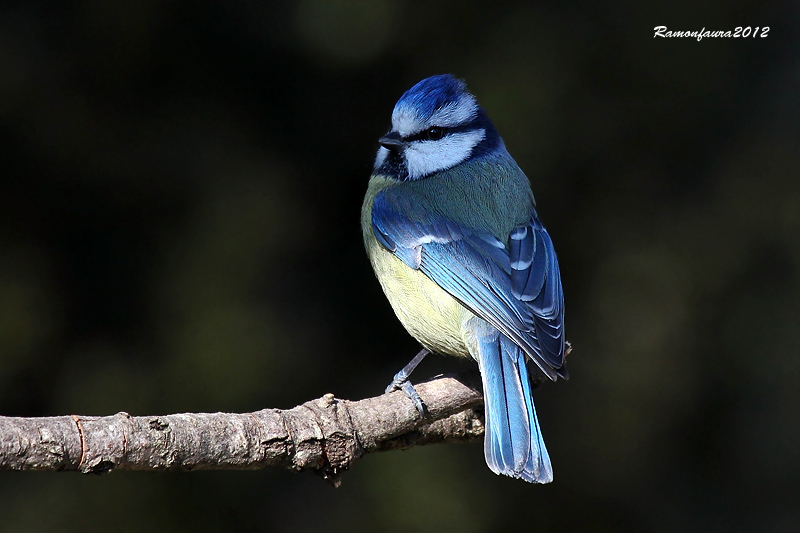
(431,94)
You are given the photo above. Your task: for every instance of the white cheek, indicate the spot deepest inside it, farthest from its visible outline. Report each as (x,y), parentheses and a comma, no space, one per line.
(381,157)
(427,157)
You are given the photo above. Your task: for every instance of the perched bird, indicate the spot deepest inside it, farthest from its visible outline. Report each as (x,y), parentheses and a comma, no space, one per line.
(451,230)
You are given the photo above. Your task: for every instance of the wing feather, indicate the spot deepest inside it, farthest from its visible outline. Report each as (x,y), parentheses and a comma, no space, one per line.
(515,284)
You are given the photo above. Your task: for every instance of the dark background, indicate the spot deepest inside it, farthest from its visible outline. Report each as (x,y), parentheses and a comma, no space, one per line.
(179,231)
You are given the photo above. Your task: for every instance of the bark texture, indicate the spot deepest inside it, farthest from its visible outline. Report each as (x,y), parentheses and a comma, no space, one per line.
(326,435)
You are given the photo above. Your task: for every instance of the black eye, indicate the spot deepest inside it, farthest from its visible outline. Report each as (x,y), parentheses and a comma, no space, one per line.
(434,133)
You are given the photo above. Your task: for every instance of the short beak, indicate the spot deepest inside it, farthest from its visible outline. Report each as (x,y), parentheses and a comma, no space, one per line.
(392,141)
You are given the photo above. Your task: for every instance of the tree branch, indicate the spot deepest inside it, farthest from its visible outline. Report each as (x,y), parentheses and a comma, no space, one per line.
(326,435)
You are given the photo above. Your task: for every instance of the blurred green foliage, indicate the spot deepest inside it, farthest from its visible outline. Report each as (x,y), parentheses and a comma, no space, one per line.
(180,206)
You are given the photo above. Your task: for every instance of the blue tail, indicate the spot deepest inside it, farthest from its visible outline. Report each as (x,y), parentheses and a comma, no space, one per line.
(513,444)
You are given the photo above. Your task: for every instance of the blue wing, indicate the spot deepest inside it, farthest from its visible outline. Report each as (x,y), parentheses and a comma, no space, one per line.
(514,285)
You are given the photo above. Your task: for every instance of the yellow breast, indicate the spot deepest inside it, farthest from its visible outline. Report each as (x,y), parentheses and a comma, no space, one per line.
(427,311)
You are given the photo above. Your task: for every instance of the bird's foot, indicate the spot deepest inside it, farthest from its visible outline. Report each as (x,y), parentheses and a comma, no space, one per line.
(401,382)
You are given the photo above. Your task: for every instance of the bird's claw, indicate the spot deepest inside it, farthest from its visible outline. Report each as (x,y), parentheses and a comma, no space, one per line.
(400,382)
(396,384)
(409,390)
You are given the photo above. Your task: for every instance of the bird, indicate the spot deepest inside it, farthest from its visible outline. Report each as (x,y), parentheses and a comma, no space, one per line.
(452,233)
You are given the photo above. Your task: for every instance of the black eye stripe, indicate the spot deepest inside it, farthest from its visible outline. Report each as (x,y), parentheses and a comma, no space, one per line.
(434,133)
(438,133)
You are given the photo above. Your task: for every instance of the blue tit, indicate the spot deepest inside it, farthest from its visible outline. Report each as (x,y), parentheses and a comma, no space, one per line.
(450,227)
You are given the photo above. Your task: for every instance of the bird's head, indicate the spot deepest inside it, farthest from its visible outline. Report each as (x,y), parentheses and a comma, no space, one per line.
(436,125)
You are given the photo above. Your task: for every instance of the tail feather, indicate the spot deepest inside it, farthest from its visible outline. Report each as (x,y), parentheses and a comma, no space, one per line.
(513,444)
